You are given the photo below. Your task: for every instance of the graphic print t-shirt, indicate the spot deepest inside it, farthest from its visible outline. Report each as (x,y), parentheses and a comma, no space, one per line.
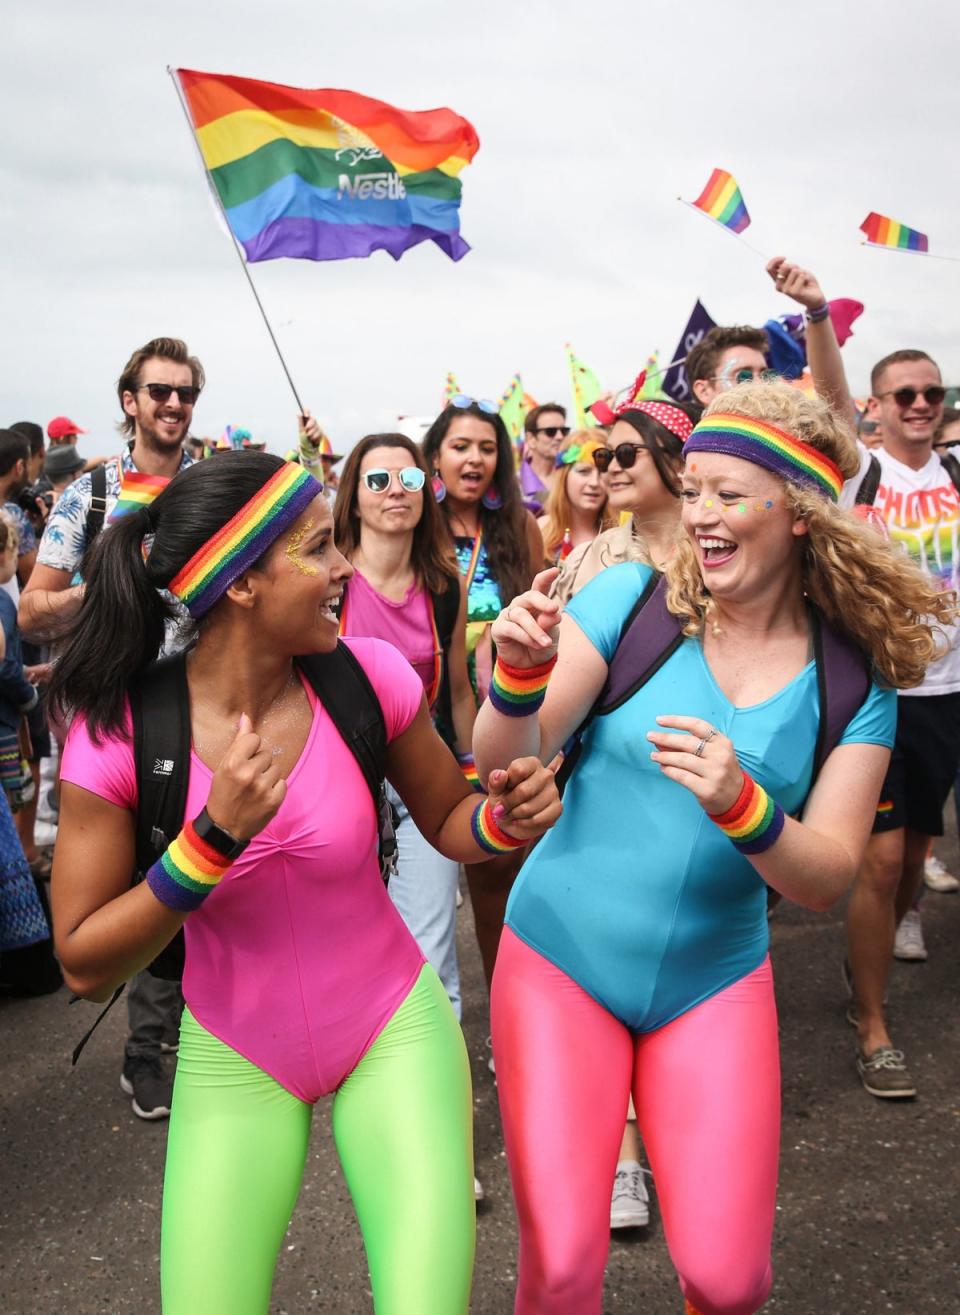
(922,512)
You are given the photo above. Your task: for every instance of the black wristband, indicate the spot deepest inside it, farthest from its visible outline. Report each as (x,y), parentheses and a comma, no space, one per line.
(215,836)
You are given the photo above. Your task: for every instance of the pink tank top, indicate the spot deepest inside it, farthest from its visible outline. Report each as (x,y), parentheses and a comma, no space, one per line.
(407,625)
(298,959)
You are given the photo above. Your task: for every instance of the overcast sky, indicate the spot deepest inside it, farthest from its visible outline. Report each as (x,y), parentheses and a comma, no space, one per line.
(592,118)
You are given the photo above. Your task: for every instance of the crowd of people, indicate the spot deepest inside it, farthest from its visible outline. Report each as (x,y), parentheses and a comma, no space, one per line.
(722,628)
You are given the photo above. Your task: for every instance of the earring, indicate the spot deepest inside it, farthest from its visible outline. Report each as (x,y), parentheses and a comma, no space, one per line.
(492,499)
(438,486)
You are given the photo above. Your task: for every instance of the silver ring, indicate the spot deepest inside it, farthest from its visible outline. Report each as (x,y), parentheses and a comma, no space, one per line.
(713,732)
(698,751)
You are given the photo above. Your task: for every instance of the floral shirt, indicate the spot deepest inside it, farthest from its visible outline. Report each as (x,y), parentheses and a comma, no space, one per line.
(65,537)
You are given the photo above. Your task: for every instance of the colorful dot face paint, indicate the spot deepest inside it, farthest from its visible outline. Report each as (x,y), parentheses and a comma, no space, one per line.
(292,550)
(709,502)
(741,507)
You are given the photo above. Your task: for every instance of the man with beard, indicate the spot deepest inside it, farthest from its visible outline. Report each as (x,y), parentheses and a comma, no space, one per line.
(157,390)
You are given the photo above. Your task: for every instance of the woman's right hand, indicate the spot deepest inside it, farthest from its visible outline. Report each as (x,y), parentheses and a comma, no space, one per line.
(247,788)
(525,632)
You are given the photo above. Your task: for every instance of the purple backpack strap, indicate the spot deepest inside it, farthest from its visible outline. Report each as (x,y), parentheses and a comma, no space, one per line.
(843,683)
(650,636)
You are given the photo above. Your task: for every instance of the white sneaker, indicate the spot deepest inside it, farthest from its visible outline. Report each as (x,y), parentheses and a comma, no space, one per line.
(630,1204)
(938,878)
(908,943)
(478,1192)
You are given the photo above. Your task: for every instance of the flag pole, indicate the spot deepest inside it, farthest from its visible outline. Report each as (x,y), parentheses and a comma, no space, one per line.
(241,256)
(739,236)
(905,251)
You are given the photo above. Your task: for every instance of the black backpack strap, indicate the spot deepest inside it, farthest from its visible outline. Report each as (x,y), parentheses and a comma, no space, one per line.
(867,492)
(160,711)
(98,503)
(641,651)
(952,466)
(344,689)
(843,683)
(446,609)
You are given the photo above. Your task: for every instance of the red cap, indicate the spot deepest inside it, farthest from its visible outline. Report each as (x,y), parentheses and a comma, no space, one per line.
(63,427)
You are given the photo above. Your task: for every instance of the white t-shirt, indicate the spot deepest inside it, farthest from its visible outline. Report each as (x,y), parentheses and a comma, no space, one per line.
(922,512)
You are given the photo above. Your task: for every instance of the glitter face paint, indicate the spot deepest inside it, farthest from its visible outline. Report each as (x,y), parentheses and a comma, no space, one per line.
(292,550)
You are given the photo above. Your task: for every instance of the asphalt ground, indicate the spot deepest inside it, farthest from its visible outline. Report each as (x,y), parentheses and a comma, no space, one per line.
(867,1219)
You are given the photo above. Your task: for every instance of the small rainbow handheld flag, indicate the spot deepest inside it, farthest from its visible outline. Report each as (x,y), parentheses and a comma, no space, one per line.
(325,174)
(722,200)
(136,490)
(883,232)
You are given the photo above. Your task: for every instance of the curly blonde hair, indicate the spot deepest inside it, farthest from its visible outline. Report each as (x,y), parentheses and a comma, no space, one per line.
(849,571)
(557,509)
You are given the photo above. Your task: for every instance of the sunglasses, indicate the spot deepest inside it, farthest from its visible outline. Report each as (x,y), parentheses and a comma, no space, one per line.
(552,431)
(747,375)
(187,393)
(626,454)
(410,478)
(905,397)
(461,402)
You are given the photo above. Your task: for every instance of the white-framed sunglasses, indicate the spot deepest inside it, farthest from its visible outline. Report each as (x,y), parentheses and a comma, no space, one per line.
(411,478)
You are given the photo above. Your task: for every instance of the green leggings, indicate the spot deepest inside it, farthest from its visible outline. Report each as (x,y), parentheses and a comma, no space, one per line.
(402,1126)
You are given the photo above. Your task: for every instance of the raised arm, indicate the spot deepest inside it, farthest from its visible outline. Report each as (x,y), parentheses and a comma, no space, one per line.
(823,350)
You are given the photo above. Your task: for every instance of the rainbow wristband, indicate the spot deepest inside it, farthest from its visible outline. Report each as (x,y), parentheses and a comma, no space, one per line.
(754,822)
(488,835)
(519,691)
(186,872)
(469,769)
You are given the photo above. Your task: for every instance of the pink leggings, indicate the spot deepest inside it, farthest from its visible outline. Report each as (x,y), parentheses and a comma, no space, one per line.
(707,1093)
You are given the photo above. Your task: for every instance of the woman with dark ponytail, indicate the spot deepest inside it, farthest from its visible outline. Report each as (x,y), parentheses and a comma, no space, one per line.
(300,979)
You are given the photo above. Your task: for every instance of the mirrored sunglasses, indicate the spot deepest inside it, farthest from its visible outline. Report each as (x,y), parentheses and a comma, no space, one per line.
(461,401)
(411,478)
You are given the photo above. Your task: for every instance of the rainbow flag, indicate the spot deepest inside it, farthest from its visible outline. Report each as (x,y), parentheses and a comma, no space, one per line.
(722,200)
(136,490)
(324,174)
(883,232)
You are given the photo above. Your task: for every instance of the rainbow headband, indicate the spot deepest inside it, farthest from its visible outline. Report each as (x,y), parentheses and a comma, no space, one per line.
(767,446)
(246,536)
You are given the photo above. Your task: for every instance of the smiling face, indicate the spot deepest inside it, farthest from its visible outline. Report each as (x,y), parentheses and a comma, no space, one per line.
(397,510)
(743,532)
(907,431)
(160,426)
(467,458)
(303,577)
(637,488)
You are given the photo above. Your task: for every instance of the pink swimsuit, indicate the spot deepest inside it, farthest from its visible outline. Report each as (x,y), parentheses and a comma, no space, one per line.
(298,959)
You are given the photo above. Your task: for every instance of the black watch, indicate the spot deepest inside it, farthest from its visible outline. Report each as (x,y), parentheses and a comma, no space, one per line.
(215,836)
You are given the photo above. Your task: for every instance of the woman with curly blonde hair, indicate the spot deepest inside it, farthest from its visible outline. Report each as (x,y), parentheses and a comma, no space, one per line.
(634,956)
(577,507)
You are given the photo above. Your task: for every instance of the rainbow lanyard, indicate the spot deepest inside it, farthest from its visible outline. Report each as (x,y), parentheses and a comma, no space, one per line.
(434,690)
(474,558)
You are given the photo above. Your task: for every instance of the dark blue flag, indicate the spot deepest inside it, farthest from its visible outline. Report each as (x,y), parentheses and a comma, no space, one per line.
(674,382)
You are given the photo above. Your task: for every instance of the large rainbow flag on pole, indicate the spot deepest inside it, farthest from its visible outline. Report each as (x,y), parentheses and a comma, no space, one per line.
(883,232)
(324,174)
(722,200)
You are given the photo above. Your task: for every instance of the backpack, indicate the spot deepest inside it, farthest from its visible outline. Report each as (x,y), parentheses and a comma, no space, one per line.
(651,634)
(160,709)
(98,503)
(867,492)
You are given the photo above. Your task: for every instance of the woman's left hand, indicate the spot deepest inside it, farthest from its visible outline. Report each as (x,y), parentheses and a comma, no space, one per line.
(703,760)
(524,798)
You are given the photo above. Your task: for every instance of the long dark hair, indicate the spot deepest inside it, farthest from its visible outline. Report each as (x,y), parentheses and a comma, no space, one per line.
(663,445)
(504,530)
(432,556)
(120,626)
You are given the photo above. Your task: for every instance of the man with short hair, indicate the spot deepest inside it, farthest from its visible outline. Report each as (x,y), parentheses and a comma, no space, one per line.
(62,467)
(920,504)
(544,429)
(157,390)
(726,356)
(14,478)
(62,429)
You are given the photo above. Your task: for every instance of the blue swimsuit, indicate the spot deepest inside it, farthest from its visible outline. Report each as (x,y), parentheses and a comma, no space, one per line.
(635,894)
